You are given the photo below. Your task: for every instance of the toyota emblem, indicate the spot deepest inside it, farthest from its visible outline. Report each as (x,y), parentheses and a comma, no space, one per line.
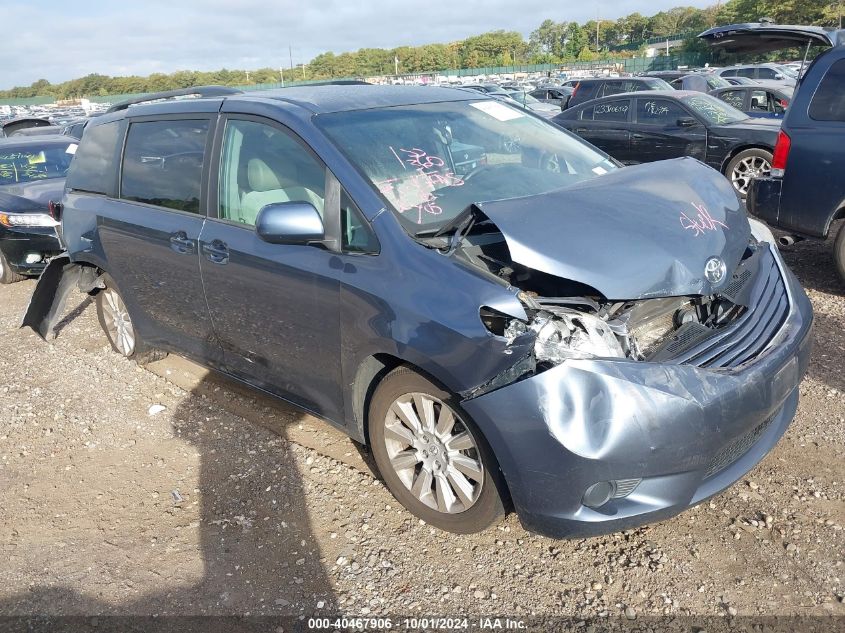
(715,270)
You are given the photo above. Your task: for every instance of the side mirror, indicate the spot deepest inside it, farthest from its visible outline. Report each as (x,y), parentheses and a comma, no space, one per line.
(687,121)
(778,76)
(290,223)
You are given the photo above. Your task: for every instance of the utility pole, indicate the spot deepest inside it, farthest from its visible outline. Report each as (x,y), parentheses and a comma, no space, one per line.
(290,55)
(598,22)
(282,76)
(247,76)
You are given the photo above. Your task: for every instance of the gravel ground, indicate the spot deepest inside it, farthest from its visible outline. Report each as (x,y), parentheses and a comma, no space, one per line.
(164,490)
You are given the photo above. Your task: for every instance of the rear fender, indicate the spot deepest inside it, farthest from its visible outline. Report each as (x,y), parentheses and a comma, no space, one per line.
(48,300)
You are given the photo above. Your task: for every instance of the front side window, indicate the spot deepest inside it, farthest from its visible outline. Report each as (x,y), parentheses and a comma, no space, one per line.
(431,161)
(659,112)
(162,163)
(613,88)
(19,164)
(761,101)
(263,165)
(828,102)
(765,73)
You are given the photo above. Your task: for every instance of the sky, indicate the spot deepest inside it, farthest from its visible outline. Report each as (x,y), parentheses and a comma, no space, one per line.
(59,40)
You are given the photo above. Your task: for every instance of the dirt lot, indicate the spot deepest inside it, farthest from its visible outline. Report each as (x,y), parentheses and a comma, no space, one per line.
(224,502)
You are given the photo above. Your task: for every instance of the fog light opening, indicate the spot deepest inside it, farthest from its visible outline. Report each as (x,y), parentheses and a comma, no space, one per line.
(33,258)
(599,493)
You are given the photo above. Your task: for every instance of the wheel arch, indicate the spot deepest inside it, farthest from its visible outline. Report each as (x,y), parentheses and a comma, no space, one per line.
(741,148)
(370,373)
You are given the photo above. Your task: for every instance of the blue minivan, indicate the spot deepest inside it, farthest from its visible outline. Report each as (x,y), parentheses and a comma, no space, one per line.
(502,313)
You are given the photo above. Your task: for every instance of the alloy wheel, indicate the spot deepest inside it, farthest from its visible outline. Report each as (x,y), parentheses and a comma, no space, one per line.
(747,169)
(433,453)
(118,323)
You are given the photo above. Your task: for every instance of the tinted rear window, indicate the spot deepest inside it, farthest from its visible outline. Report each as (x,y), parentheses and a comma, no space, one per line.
(162,163)
(829,101)
(93,166)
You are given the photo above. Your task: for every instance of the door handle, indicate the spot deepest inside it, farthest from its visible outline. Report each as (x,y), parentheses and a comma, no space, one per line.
(638,137)
(216,252)
(580,130)
(181,243)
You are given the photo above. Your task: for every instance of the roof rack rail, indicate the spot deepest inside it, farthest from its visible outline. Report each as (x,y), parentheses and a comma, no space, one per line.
(202,91)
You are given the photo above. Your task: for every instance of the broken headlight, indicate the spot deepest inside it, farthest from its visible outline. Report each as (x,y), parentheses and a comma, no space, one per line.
(568,335)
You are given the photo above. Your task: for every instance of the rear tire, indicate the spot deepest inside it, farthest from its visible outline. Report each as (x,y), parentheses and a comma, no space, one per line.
(839,251)
(746,165)
(119,328)
(432,456)
(7,275)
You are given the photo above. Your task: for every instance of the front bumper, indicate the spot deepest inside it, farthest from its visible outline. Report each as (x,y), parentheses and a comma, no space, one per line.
(17,244)
(687,432)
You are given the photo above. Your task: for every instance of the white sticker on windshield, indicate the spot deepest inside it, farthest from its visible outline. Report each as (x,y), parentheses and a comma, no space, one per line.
(497,110)
(599,171)
(71,149)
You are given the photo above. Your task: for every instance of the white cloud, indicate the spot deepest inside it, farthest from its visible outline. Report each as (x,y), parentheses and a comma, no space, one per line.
(56,40)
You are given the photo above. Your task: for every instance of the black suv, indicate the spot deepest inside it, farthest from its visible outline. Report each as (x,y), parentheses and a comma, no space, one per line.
(805,192)
(588,89)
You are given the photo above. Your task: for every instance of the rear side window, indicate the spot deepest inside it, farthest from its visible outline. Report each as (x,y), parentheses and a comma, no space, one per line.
(612,88)
(610,111)
(736,98)
(93,166)
(828,103)
(162,163)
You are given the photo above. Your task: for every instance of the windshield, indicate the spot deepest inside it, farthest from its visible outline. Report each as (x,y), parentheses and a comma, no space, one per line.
(19,164)
(713,110)
(789,72)
(524,97)
(431,161)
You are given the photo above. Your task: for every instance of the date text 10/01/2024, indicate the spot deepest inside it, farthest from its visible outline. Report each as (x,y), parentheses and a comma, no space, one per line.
(417,623)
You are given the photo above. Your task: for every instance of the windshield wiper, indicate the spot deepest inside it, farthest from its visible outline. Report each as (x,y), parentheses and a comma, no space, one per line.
(452,225)
(458,226)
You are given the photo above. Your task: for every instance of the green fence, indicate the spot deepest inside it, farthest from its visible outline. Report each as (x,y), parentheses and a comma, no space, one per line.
(613,64)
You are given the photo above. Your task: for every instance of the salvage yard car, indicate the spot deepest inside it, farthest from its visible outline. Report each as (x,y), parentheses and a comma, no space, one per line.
(32,173)
(600,346)
(644,127)
(804,194)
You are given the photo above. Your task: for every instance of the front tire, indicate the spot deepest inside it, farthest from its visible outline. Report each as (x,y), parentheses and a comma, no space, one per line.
(431,456)
(7,275)
(839,252)
(747,165)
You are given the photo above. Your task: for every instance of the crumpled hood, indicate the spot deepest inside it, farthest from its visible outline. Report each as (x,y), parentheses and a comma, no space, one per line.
(634,233)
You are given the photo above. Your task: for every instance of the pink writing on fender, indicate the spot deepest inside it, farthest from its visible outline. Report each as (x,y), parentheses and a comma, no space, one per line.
(414,190)
(701,222)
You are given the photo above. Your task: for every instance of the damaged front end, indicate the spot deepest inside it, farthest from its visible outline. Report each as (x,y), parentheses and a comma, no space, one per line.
(620,268)
(590,326)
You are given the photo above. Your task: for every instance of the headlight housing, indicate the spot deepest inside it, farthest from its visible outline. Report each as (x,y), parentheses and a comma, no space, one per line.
(27,220)
(566,335)
(575,335)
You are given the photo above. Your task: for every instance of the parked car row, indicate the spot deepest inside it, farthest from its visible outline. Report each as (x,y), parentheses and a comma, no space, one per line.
(498,309)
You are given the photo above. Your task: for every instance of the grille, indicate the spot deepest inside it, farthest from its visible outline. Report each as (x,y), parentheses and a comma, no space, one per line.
(740,447)
(743,341)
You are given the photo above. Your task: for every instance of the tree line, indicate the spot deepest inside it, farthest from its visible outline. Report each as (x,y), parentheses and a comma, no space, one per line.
(551,42)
